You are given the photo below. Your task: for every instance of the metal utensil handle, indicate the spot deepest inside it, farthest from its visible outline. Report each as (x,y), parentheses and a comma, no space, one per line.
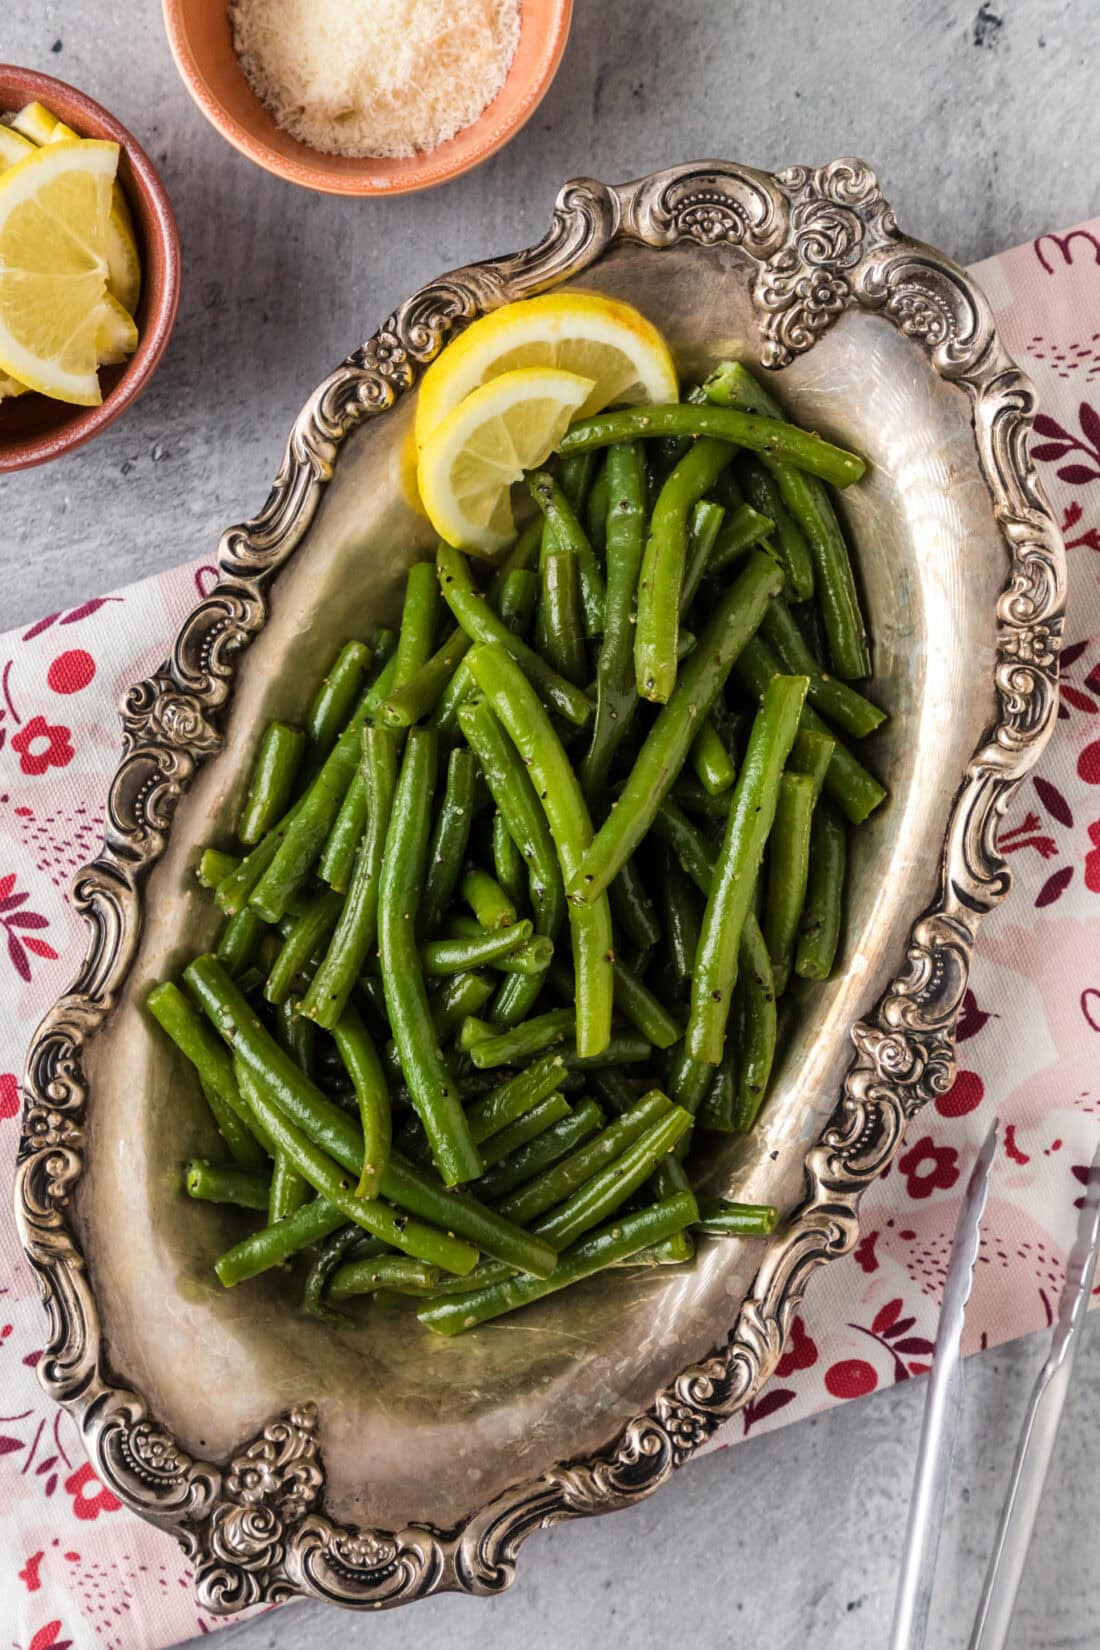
(1040,1429)
(941,1417)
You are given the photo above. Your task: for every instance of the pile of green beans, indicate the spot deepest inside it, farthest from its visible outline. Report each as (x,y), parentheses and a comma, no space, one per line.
(511,905)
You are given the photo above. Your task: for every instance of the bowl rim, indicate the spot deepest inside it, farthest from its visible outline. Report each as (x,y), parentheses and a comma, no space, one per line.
(311,171)
(157,223)
(249,1547)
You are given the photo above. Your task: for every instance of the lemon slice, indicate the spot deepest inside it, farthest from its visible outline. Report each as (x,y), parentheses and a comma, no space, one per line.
(35,122)
(10,388)
(13,147)
(116,335)
(469,462)
(54,212)
(604,340)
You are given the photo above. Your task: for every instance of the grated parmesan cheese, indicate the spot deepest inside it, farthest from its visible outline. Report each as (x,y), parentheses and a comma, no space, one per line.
(375,77)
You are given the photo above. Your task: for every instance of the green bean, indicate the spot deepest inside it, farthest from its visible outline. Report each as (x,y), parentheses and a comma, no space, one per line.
(404,863)
(519,1043)
(410,701)
(542,1152)
(331,1257)
(750,821)
(758,1044)
(856,791)
(480,622)
(307,832)
(662,575)
(568,534)
(722,1218)
(788,871)
(527,724)
(508,862)
(175,1015)
(706,522)
(851,712)
(719,1107)
(746,528)
(576,479)
(360,1058)
(232,892)
(239,945)
(688,1079)
(621,1049)
(563,620)
(687,794)
(811,754)
(671,1251)
(486,898)
(670,1177)
(273,779)
(691,848)
(455,998)
(456,956)
(616,696)
(518,598)
(615,1242)
(307,932)
(632,908)
(762,435)
(273,1245)
(516,595)
(333,702)
(636,1003)
(819,928)
(736,616)
(610,1187)
(794,552)
(596,507)
(512,791)
(614,1088)
(214,867)
(682,915)
(711,760)
(419,616)
(337,862)
(383,646)
(357,928)
(503,1105)
(556,1184)
(450,835)
(473,1030)
(533,1123)
(287,1192)
(325,1175)
(297,1036)
(215,1183)
(532,956)
(808,502)
(364,1277)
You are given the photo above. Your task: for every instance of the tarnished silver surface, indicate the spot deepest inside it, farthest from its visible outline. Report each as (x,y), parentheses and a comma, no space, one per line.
(439,1458)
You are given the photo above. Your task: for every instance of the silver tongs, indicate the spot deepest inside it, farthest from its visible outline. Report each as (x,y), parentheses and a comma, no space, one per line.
(941,1416)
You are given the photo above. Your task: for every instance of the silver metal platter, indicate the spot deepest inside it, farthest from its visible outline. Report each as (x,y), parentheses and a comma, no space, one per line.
(375,1465)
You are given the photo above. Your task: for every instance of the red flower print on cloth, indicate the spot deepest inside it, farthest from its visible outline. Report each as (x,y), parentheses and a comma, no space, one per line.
(46,1638)
(35,761)
(15,920)
(965,1094)
(71,671)
(9,1094)
(90,1498)
(1062,442)
(928,1167)
(801,1352)
(866,1259)
(850,1378)
(1092,859)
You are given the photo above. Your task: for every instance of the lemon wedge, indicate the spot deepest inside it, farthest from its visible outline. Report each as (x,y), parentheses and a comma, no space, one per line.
(55,208)
(469,462)
(598,338)
(116,335)
(35,122)
(10,388)
(13,147)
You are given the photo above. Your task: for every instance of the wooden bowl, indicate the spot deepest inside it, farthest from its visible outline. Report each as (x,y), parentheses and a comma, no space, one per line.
(201,39)
(34,428)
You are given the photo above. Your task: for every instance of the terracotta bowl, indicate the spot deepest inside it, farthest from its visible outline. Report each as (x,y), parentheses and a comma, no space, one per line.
(34,428)
(202,44)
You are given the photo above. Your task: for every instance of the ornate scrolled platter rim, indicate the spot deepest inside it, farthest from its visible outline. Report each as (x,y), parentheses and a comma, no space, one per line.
(820,241)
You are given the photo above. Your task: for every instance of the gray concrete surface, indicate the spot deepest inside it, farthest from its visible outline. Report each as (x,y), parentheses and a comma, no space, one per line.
(984,124)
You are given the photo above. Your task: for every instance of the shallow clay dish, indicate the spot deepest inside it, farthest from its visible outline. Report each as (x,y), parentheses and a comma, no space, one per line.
(201,39)
(375,1464)
(34,428)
